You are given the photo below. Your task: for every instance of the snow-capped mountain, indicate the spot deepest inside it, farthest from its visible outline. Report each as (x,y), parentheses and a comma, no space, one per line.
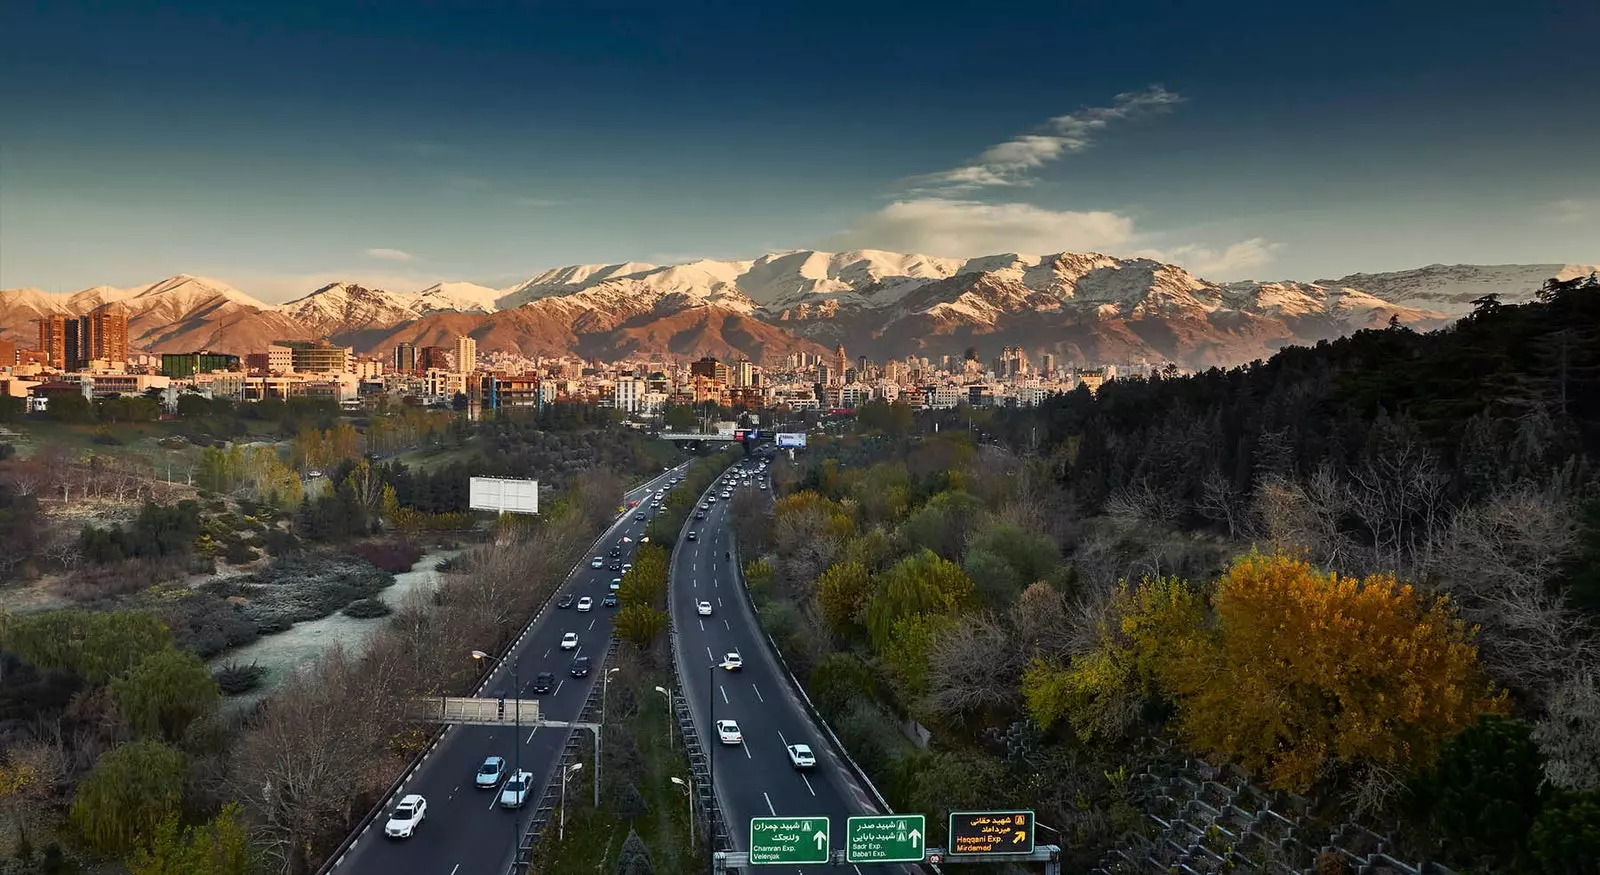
(339,307)
(1080,306)
(1451,288)
(461,297)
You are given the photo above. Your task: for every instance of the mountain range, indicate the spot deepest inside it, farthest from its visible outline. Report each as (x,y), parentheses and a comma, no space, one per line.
(1086,308)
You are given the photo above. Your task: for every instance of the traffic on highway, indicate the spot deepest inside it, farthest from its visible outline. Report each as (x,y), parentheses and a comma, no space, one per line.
(768,757)
(463,809)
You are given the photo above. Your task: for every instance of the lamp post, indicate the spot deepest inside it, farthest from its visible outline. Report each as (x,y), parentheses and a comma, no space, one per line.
(516,754)
(668,693)
(564,773)
(711,773)
(605,692)
(688,790)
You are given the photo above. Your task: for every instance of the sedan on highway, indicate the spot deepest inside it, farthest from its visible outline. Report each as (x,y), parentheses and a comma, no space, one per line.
(610,601)
(543,682)
(728,731)
(566,601)
(699,514)
(800,756)
(406,817)
(693,536)
(639,516)
(569,641)
(580,667)
(616,584)
(490,773)
(733,661)
(516,789)
(585,604)
(597,562)
(703,608)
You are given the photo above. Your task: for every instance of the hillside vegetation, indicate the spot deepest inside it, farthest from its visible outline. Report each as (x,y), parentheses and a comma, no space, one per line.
(1365,573)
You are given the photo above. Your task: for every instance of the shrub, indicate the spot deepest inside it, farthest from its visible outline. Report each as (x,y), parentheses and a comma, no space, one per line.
(202,621)
(1485,790)
(240,553)
(279,542)
(395,557)
(235,679)
(368,609)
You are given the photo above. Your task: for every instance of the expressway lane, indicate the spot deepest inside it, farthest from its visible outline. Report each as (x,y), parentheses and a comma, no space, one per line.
(755,778)
(465,833)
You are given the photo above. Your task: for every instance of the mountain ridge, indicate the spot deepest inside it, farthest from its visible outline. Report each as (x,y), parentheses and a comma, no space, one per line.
(1084,307)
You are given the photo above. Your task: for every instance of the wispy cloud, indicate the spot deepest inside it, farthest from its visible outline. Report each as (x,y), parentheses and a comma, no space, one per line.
(1229,263)
(421,149)
(1570,210)
(389,254)
(1014,162)
(530,201)
(966,228)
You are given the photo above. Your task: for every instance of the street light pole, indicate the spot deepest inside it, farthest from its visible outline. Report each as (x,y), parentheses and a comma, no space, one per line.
(516,753)
(711,775)
(564,773)
(688,791)
(668,693)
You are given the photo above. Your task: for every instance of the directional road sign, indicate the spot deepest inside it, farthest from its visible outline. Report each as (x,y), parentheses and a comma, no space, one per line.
(893,838)
(991,832)
(788,840)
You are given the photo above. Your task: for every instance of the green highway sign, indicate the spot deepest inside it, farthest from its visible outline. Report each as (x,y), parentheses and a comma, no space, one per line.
(991,832)
(891,838)
(788,840)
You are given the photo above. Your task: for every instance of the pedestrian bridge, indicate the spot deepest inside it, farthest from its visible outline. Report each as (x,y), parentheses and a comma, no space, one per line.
(477,712)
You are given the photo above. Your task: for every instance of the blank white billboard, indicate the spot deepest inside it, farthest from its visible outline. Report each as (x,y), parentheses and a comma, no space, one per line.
(503,496)
(790,440)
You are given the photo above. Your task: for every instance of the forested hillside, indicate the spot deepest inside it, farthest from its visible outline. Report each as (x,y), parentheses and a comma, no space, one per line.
(1366,572)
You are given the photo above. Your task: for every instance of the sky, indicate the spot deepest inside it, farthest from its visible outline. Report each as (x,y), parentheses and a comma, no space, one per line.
(280,146)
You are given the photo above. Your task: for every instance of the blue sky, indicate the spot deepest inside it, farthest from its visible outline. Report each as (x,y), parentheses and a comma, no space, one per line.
(282,145)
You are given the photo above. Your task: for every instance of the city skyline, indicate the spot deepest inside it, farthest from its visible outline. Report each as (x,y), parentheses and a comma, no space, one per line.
(282,148)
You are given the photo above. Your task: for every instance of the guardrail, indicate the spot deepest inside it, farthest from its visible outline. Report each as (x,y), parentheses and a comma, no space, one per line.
(337,855)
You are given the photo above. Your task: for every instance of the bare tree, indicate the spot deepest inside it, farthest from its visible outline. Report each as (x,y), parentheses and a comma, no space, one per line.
(1399,497)
(1305,516)
(1497,559)
(1219,502)
(1141,502)
(974,670)
(1569,734)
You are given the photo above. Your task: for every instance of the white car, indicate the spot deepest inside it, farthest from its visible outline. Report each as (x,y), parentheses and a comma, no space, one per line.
(733,661)
(597,562)
(711,499)
(405,818)
(515,792)
(490,773)
(585,604)
(616,584)
(728,731)
(761,486)
(704,608)
(569,641)
(626,567)
(800,756)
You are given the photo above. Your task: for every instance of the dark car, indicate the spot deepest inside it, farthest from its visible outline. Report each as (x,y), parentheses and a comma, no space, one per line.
(543,682)
(610,601)
(699,514)
(580,667)
(616,566)
(566,601)
(692,537)
(616,551)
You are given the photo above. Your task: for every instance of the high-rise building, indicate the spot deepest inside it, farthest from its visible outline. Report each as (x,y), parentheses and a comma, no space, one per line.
(432,358)
(8,354)
(405,358)
(709,367)
(1048,363)
(466,354)
(841,362)
(744,374)
(53,341)
(103,334)
(320,357)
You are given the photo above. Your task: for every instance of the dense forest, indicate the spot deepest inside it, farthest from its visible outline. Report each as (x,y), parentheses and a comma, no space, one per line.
(1365,573)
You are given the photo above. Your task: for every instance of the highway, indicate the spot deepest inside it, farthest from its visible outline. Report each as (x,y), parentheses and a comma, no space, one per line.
(465,832)
(755,778)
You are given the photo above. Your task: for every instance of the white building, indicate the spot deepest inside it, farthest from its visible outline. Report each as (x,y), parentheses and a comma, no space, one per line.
(628,395)
(466,354)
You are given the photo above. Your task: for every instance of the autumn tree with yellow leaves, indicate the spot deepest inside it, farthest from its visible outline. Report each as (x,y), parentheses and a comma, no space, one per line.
(1292,671)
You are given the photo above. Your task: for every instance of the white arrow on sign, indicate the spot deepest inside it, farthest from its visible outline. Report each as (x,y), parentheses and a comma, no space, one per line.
(821,838)
(915,836)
